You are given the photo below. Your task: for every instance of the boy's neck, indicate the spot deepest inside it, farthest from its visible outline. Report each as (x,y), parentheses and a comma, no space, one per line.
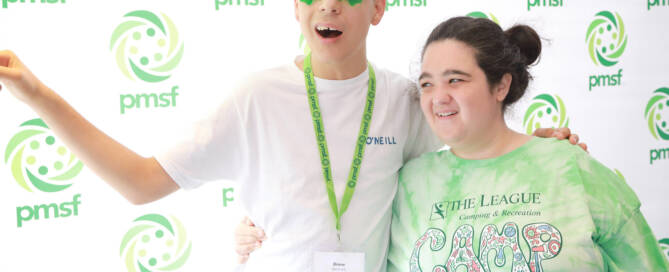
(347,68)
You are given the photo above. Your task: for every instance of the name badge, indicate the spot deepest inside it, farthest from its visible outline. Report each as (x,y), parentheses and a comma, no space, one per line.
(339,262)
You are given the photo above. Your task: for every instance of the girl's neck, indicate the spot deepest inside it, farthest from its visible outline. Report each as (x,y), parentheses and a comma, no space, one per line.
(492,143)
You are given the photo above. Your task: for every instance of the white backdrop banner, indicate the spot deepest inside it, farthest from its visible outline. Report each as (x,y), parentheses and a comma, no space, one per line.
(145,71)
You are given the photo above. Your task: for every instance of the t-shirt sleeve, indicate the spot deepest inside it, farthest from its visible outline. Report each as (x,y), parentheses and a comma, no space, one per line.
(634,248)
(406,222)
(421,138)
(400,239)
(215,149)
(622,234)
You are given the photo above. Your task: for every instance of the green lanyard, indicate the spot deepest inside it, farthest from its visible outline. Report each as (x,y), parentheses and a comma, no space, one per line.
(319,128)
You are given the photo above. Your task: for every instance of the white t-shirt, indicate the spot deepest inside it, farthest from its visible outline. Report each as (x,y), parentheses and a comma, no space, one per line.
(263,137)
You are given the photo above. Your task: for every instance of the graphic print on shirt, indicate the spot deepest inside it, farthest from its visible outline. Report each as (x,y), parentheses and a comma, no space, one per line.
(543,239)
(508,238)
(438,211)
(381,140)
(462,252)
(437,242)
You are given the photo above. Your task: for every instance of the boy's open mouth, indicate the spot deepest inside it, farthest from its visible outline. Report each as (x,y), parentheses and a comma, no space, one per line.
(328,32)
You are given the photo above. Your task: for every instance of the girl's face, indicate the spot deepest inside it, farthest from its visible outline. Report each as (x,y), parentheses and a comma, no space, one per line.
(456,99)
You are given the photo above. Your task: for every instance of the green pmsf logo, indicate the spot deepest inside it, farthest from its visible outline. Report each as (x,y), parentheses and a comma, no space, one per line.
(657,107)
(146,46)
(38,161)
(401,3)
(545,111)
(479,14)
(664,245)
(155,243)
(606,38)
(5,2)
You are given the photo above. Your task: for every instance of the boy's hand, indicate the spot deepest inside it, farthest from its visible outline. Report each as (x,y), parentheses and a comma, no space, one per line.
(18,79)
(561,134)
(247,239)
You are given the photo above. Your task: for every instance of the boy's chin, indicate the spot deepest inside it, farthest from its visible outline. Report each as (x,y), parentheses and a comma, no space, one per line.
(334,52)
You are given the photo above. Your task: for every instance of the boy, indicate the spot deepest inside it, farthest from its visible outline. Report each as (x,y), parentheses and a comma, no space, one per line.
(264,137)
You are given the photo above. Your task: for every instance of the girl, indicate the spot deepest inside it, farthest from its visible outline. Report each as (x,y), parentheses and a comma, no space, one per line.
(499,200)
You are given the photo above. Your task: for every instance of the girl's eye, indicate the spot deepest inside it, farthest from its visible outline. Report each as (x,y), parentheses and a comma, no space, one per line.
(425,84)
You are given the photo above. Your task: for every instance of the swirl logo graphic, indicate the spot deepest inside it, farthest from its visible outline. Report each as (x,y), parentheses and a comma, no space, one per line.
(657,107)
(155,243)
(664,245)
(478,14)
(148,45)
(545,111)
(38,161)
(606,38)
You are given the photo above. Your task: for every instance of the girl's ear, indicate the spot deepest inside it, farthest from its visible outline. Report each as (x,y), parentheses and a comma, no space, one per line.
(502,88)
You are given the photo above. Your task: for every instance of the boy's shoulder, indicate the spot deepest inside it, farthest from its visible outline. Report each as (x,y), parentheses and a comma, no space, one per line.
(288,77)
(422,163)
(282,74)
(396,82)
(269,81)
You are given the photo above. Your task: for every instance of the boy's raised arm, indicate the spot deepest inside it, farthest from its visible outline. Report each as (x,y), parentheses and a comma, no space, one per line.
(138,179)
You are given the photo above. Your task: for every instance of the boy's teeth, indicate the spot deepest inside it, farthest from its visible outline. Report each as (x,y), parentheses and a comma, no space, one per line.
(323,28)
(328,32)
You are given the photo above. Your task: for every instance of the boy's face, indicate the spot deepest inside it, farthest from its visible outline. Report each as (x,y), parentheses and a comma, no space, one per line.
(337,29)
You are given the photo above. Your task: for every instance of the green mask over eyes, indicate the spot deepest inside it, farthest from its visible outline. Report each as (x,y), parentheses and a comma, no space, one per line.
(350,2)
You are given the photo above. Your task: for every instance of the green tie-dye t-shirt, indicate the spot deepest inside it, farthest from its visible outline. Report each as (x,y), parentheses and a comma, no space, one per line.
(546,206)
